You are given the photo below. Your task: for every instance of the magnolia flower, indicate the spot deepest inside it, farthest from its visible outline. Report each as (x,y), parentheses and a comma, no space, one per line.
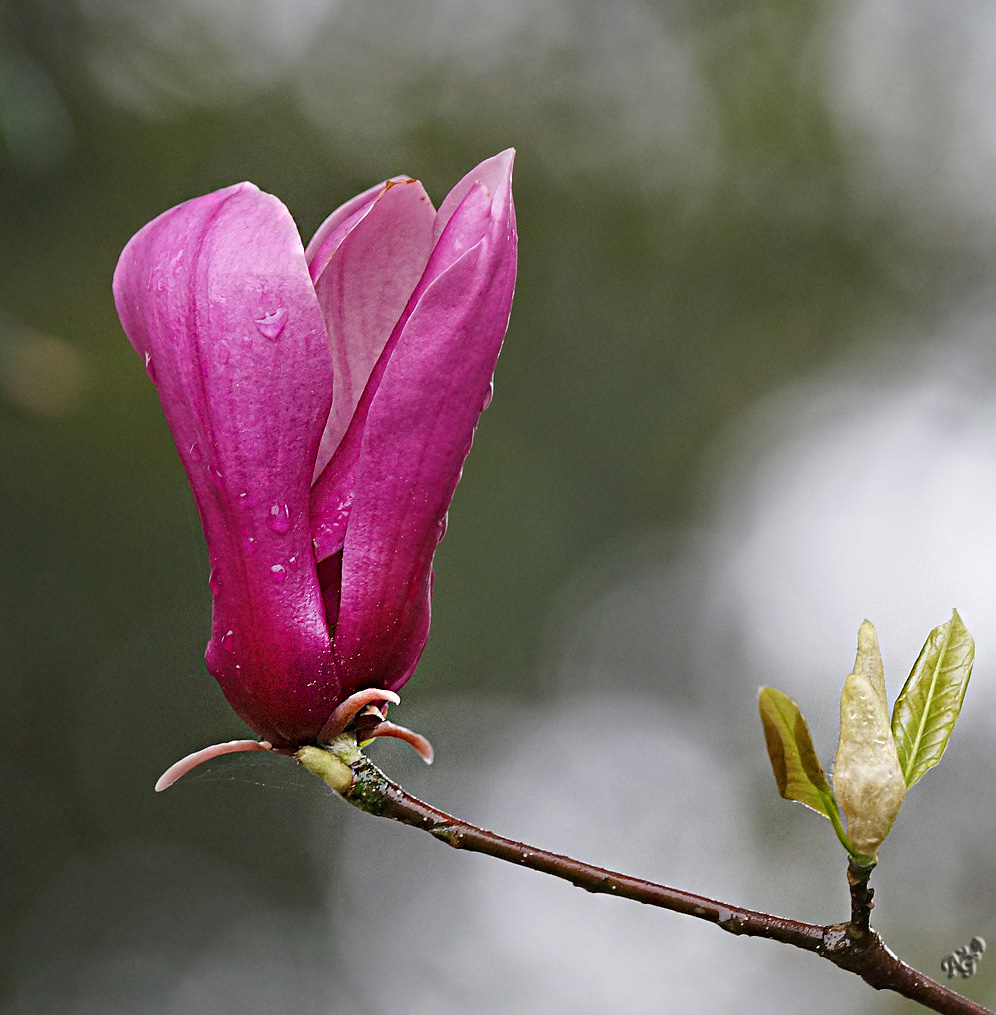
(323,401)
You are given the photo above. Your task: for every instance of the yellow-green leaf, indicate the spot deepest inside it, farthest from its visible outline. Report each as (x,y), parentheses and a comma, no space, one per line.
(797,769)
(928,706)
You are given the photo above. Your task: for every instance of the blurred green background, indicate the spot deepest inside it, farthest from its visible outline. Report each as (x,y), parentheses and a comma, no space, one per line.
(739,223)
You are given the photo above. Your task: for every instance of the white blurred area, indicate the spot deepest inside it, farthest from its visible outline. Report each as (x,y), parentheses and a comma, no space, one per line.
(867,491)
(622,86)
(915,79)
(151,56)
(616,87)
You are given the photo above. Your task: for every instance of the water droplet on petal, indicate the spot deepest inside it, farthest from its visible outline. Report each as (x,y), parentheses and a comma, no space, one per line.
(271,325)
(488,396)
(278,572)
(214,582)
(195,452)
(280,518)
(228,641)
(150,367)
(222,352)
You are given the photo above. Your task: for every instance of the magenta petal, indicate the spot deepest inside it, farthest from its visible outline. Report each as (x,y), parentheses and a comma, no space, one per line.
(216,296)
(379,254)
(426,395)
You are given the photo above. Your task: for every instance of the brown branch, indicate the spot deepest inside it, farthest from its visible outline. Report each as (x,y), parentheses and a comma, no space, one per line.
(853,946)
(861,899)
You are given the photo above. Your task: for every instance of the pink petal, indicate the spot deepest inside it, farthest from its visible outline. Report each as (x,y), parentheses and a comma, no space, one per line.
(421,408)
(326,234)
(369,265)
(215,295)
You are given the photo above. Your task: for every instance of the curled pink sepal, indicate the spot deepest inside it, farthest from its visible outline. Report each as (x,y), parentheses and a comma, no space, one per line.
(341,718)
(346,711)
(410,737)
(191,761)
(363,705)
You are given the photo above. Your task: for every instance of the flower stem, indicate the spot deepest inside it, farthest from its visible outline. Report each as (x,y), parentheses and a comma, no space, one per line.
(853,946)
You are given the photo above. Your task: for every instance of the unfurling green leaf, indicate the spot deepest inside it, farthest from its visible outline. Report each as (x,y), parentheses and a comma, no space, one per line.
(797,769)
(867,778)
(928,706)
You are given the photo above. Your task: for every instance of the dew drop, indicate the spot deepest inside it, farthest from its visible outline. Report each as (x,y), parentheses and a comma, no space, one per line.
(222,352)
(271,325)
(150,368)
(214,582)
(487,398)
(228,641)
(280,518)
(195,452)
(278,572)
